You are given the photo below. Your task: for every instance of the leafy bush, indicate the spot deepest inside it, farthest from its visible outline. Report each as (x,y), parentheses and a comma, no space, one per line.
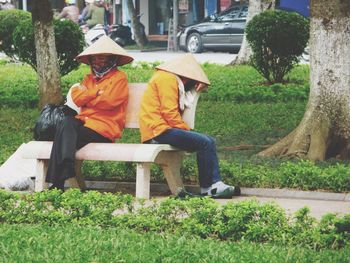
(23,40)
(9,19)
(238,84)
(197,217)
(303,175)
(69,43)
(277,39)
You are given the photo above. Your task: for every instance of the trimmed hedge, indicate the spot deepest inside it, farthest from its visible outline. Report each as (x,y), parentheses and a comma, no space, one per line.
(199,217)
(69,40)
(277,38)
(17,36)
(9,20)
(237,84)
(301,175)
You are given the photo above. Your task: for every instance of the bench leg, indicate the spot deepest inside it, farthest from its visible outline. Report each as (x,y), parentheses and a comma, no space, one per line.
(41,169)
(77,181)
(171,163)
(143,178)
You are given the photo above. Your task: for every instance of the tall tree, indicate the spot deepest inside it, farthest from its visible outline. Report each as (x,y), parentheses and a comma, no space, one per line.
(324,130)
(139,33)
(254,7)
(46,55)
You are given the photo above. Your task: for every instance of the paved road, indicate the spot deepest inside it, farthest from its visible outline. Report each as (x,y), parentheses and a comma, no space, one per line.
(163,55)
(152,56)
(320,203)
(211,57)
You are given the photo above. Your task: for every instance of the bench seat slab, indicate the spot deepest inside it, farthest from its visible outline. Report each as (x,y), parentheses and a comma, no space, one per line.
(127,152)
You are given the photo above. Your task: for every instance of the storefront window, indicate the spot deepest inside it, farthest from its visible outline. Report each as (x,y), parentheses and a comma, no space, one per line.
(190,11)
(159,13)
(224,4)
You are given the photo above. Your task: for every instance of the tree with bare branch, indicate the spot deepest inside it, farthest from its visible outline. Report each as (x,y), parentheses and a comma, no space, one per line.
(324,130)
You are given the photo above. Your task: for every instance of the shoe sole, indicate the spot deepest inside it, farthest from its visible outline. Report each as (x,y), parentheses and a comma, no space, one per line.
(228,193)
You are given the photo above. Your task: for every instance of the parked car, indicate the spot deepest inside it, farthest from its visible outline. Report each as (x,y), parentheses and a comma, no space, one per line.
(220,31)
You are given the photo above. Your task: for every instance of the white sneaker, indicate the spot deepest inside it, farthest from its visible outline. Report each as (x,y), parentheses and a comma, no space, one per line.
(221,190)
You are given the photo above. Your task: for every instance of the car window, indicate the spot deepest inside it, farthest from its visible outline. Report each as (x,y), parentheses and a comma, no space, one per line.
(228,15)
(244,12)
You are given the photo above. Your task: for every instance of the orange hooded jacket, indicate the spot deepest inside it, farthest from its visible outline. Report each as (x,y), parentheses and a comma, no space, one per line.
(104,113)
(160,106)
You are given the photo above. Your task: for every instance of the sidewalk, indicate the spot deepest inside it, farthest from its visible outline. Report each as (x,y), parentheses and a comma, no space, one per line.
(318,208)
(163,55)
(320,203)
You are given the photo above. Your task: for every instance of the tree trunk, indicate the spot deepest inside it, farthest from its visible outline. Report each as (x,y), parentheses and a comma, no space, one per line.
(46,54)
(255,7)
(139,34)
(325,128)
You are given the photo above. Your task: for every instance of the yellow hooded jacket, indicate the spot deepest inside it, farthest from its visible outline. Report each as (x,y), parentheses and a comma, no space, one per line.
(160,106)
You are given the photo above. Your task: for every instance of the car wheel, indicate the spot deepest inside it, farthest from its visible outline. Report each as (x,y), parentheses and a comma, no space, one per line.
(194,43)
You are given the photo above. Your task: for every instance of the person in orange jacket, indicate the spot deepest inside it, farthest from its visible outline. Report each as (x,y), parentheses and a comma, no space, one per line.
(102,97)
(168,94)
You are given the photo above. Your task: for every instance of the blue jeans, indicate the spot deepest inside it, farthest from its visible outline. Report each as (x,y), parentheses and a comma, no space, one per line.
(204,145)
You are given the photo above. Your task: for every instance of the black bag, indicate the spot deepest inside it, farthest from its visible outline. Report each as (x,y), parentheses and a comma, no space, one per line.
(49,119)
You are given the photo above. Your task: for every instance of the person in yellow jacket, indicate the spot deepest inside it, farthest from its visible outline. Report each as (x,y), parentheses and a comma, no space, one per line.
(167,95)
(102,97)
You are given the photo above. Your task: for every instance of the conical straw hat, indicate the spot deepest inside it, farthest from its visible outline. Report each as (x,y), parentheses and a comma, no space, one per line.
(105,46)
(185,66)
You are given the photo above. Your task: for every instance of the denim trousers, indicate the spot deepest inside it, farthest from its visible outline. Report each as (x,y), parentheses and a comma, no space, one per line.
(203,145)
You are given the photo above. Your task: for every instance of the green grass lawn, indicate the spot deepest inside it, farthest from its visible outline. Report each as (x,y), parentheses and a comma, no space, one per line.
(239,110)
(230,123)
(40,243)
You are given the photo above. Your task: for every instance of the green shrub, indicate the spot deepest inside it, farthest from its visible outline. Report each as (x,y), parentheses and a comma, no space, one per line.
(277,39)
(238,84)
(196,217)
(23,40)
(9,19)
(69,43)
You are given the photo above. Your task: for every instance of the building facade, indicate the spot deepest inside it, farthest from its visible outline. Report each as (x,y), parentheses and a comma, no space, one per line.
(155,14)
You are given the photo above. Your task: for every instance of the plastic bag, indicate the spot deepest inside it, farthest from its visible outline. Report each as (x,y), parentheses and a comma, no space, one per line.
(49,119)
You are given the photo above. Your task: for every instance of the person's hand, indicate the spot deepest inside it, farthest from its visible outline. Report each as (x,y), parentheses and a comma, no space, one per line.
(82,87)
(201,86)
(79,86)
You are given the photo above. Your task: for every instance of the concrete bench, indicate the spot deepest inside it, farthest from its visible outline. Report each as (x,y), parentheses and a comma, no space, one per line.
(168,157)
